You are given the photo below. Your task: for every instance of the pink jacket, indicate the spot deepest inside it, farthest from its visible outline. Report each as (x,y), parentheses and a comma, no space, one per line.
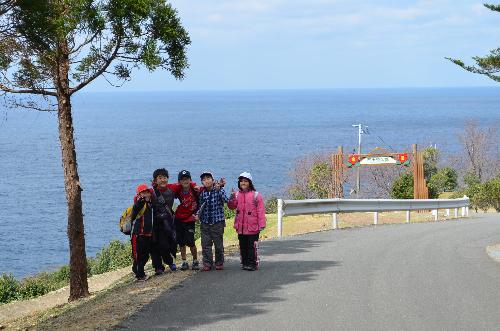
(250,212)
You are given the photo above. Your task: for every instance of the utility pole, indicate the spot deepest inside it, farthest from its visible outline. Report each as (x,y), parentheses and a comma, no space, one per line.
(360,131)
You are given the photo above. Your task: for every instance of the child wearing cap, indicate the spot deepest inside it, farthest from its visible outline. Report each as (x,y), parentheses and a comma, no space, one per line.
(212,221)
(249,221)
(142,230)
(185,218)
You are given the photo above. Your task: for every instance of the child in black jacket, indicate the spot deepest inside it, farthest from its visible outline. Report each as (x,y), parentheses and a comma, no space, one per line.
(142,230)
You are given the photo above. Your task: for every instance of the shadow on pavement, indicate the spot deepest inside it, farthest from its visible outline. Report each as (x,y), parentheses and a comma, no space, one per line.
(287,246)
(213,296)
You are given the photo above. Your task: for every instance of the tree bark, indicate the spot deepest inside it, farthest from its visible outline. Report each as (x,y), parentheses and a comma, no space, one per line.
(76,235)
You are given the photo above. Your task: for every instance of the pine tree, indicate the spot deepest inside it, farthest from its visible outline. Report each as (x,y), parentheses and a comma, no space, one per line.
(51,49)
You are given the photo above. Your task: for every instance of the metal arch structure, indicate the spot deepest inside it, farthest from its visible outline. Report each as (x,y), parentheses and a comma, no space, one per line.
(378,157)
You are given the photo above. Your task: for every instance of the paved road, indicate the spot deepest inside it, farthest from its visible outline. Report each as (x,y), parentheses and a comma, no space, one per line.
(425,276)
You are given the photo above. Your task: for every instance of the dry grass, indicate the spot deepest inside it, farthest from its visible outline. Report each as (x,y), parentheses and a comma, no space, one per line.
(293,225)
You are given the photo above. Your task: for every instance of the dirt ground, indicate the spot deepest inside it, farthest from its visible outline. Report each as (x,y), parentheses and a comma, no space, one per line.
(107,308)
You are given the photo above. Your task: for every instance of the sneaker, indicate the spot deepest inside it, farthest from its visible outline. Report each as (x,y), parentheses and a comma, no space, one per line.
(219,267)
(173,267)
(207,268)
(249,268)
(184,265)
(195,265)
(159,272)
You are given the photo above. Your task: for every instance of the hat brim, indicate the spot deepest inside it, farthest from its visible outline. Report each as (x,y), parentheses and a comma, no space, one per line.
(249,179)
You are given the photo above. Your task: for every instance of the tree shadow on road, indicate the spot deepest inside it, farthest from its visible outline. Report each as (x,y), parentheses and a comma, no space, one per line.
(232,294)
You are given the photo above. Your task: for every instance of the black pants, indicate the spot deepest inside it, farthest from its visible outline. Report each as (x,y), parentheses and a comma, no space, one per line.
(141,249)
(249,249)
(164,250)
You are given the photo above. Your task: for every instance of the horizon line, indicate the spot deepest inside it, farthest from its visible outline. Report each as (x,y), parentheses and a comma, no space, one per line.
(112,89)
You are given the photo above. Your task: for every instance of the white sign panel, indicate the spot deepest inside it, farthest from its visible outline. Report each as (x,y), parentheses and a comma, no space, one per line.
(372,160)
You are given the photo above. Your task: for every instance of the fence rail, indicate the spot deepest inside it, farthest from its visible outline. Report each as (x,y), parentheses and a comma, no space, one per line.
(334,206)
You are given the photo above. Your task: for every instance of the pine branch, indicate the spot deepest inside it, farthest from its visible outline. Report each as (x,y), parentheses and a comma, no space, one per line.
(27,91)
(100,71)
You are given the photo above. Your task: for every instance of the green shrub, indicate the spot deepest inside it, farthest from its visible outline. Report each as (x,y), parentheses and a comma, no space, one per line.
(114,256)
(60,277)
(444,180)
(8,288)
(487,195)
(272,205)
(431,160)
(35,286)
(319,179)
(402,187)
(311,178)
(296,194)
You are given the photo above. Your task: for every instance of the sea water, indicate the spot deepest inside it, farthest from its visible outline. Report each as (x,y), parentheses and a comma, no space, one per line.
(122,137)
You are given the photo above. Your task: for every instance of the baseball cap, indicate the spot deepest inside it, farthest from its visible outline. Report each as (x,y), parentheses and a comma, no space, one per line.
(141,187)
(206,173)
(184,174)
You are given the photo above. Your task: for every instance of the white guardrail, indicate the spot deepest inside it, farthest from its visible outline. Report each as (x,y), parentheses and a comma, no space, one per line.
(334,206)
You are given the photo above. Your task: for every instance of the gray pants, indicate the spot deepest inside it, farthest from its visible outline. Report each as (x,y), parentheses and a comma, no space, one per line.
(212,234)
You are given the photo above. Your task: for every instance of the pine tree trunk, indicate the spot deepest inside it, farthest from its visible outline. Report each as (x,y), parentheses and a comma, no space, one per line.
(76,235)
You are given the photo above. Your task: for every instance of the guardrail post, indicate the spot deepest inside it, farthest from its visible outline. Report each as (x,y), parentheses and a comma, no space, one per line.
(456,212)
(375,218)
(280,217)
(334,221)
(435,213)
(447,213)
(467,211)
(407,216)
(463,211)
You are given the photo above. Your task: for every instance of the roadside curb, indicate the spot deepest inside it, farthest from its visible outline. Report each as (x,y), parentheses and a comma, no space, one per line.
(494,252)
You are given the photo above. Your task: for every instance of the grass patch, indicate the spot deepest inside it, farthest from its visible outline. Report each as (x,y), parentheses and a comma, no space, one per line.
(112,257)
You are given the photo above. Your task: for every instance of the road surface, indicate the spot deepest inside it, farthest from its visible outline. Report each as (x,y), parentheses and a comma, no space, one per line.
(422,276)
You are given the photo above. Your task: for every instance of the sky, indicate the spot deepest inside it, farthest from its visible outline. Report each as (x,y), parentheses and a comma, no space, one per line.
(308,44)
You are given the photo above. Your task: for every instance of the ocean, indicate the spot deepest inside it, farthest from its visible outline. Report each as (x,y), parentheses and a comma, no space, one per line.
(122,137)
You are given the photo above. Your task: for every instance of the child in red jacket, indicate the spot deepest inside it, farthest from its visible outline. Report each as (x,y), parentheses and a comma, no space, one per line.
(185,218)
(249,221)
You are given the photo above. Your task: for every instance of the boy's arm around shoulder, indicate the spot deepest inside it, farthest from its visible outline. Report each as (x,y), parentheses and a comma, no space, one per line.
(175,187)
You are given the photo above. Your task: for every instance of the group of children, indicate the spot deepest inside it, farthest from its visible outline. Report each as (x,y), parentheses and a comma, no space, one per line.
(157,230)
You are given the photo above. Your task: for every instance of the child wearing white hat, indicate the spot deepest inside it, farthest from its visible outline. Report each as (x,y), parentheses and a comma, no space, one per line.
(249,221)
